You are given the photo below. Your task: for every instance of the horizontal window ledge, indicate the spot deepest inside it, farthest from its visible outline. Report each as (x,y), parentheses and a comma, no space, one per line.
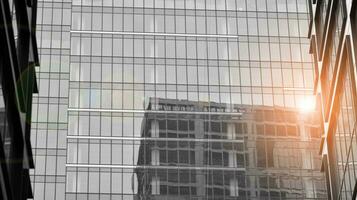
(154,111)
(156,167)
(156,139)
(155,34)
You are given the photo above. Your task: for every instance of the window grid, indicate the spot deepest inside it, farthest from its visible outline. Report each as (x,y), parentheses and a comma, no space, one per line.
(121,69)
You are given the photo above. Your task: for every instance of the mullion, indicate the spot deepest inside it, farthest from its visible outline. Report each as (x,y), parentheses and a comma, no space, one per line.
(350,136)
(343,147)
(349,158)
(349,76)
(111,100)
(48,103)
(122,99)
(339,154)
(58,102)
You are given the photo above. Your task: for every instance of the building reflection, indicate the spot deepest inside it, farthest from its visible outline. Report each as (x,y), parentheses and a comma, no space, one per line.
(197,150)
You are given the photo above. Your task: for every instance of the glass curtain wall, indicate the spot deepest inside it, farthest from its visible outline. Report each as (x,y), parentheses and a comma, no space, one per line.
(345,146)
(49,117)
(104,61)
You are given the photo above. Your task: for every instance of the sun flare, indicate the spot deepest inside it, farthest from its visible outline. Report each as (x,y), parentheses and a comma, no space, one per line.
(307,104)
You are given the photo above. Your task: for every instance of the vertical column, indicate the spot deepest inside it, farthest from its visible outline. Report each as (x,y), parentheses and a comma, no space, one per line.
(231,130)
(155,159)
(232,159)
(232,162)
(233,187)
(232,156)
(155,186)
(251,145)
(199,153)
(154,129)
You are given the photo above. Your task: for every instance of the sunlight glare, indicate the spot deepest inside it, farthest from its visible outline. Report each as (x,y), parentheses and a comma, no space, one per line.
(307,104)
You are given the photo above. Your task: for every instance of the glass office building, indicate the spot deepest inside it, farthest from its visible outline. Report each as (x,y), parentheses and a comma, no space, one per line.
(104,61)
(333,29)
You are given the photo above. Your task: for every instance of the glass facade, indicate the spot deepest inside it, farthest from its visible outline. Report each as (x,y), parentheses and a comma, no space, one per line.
(345,144)
(336,87)
(49,123)
(106,62)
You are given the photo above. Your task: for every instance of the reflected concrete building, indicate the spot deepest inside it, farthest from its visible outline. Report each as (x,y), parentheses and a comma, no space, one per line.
(104,60)
(333,29)
(201,150)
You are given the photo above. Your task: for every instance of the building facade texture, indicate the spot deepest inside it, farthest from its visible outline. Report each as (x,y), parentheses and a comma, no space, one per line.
(259,152)
(18,58)
(103,61)
(333,44)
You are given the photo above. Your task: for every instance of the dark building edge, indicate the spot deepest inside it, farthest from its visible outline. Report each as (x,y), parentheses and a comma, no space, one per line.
(19,56)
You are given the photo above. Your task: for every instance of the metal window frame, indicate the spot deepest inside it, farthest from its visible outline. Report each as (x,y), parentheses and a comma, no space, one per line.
(321,28)
(346,53)
(353,21)
(324,51)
